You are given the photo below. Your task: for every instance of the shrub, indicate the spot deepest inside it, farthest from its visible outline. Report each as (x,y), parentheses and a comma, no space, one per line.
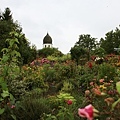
(32,108)
(106,70)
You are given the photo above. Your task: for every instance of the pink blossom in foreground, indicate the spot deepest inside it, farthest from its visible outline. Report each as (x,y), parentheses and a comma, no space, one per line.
(87,112)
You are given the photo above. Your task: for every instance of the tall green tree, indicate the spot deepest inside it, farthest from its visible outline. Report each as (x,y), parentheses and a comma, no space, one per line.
(76,52)
(111,41)
(7,25)
(86,42)
(7,15)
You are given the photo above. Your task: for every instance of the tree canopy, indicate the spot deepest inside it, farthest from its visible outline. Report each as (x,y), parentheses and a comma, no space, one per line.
(111,41)
(45,52)
(7,25)
(86,42)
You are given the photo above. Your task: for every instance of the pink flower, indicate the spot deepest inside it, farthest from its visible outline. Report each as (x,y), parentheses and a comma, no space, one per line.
(101,80)
(13,106)
(87,112)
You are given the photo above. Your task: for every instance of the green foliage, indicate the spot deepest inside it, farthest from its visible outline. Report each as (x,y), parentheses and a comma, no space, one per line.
(107,71)
(33,77)
(49,73)
(7,25)
(7,15)
(62,58)
(65,114)
(86,42)
(118,87)
(18,88)
(63,110)
(62,97)
(45,52)
(100,52)
(76,52)
(67,86)
(111,41)
(9,70)
(33,108)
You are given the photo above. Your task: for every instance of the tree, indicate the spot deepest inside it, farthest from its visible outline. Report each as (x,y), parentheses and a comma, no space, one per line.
(87,42)
(7,25)
(111,41)
(45,52)
(7,15)
(76,52)
(100,52)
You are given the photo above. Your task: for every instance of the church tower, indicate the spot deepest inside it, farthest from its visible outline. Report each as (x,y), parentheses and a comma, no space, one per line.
(47,41)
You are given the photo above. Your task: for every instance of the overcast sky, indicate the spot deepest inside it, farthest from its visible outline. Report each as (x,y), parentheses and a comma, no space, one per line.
(64,20)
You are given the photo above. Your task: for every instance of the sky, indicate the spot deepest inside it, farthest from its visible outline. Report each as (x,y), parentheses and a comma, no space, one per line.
(64,20)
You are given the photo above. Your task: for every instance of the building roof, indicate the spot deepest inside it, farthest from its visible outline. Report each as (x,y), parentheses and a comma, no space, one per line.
(47,39)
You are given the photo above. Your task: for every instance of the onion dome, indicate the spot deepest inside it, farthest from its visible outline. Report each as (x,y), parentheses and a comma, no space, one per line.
(47,39)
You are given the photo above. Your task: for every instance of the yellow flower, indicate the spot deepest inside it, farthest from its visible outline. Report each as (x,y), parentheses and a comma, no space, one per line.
(103,87)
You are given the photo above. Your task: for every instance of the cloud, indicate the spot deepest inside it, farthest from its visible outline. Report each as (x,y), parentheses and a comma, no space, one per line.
(64,20)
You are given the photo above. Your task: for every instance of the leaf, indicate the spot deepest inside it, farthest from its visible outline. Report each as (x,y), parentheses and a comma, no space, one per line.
(4,50)
(5,94)
(14,117)
(118,87)
(5,58)
(1,99)
(3,84)
(11,43)
(2,111)
(11,97)
(115,103)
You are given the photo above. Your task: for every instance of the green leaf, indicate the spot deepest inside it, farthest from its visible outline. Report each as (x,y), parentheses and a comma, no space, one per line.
(4,50)
(11,97)
(1,99)
(115,103)
(2,110)
(5,58)
(11,42)
(118,87)
(3,84)
(14,117)
(5,94)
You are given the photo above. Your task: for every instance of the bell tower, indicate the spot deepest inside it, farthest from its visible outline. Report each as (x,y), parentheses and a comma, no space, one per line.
(47,41)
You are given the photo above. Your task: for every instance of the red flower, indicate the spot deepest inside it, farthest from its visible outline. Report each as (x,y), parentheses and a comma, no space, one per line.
(90,65)
(69,102)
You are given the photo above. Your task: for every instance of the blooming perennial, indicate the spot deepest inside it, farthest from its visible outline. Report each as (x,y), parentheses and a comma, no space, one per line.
(88,112)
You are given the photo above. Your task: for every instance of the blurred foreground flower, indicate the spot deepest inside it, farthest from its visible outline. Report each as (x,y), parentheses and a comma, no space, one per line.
(88,112)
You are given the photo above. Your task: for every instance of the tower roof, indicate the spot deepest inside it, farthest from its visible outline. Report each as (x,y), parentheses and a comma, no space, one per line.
(47,39)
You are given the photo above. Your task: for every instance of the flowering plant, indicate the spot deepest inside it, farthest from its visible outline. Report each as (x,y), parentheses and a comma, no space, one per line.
(88,112)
